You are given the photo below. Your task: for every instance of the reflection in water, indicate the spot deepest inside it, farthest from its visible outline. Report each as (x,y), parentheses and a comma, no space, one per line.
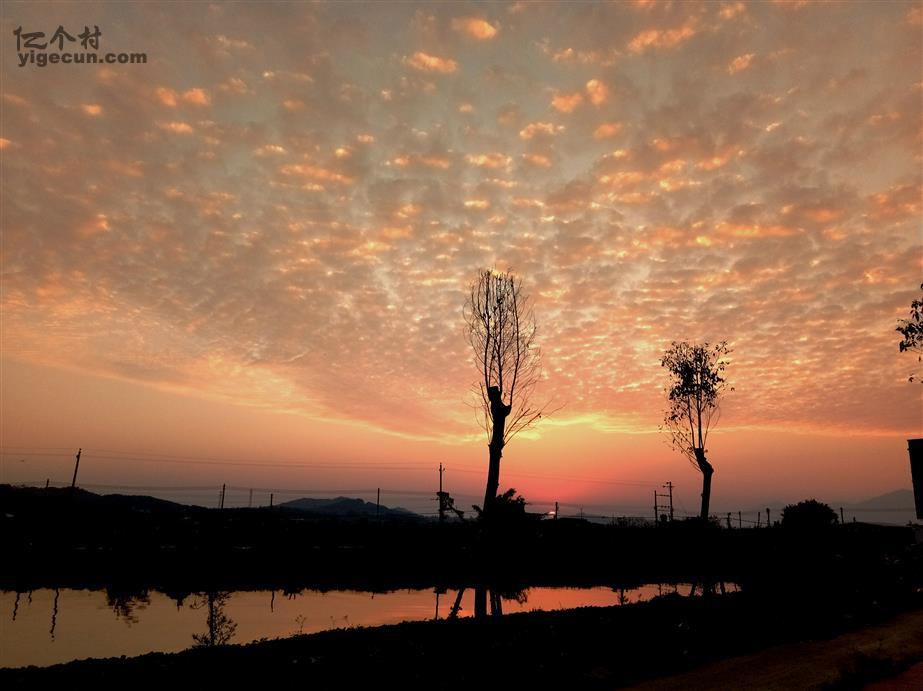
(220,627)
(125,602)
(54,612)
(147,621)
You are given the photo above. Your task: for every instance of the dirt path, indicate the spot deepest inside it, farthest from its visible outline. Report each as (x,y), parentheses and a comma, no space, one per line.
(867,653)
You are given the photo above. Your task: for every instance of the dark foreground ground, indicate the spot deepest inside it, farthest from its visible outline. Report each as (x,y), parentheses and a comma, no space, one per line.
(591,648)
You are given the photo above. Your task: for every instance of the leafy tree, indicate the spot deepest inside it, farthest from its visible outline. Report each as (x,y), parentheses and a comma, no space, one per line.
(694,391)
(501,330)
(808,514)
(912,331)
(220,627)
(507,507)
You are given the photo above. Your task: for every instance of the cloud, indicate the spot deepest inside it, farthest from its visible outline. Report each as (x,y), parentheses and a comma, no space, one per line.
(492,160)
(567,103)
(597,92)
(431,63)
(198,97)
(740,63)
(534,129)
(607,130)
(475,27)
(176,127)
(662,39)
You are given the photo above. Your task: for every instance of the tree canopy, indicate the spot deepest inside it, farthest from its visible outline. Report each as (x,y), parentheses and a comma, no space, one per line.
(912,331)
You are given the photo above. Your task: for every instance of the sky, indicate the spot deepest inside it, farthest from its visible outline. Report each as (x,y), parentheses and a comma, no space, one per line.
(245,260)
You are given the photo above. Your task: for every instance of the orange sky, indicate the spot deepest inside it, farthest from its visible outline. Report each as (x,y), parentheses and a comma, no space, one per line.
(249,256)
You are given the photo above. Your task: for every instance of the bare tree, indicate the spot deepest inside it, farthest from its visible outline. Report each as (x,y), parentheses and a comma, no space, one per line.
(694,391)
(912,331)
(501,331)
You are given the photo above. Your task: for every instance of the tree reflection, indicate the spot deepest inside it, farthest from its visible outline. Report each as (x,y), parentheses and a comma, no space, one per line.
(220,627)
(125,603)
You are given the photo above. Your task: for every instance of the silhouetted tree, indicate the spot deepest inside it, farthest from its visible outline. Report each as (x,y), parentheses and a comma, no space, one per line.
(220,627)
(912,331)
(694,391)
(507,507)
(808,514)
(501,331)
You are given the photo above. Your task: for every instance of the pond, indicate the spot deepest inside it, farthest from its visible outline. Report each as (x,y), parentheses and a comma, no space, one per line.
(48,626)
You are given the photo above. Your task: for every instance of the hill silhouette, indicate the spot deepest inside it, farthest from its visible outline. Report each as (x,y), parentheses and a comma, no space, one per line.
(347,507)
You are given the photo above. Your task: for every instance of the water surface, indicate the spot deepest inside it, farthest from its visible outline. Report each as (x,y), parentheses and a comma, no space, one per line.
(49,626)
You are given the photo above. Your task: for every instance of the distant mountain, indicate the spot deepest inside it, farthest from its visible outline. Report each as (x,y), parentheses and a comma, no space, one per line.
(892,507)
(347,507)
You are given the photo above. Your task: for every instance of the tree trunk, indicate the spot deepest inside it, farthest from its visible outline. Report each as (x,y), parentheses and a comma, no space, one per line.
(498,414)
(496,605)
(480,602)
(493,475)
(707,472)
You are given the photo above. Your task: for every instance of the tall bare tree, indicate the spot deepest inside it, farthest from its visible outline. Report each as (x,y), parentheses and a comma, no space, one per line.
(501,331)
(693,393)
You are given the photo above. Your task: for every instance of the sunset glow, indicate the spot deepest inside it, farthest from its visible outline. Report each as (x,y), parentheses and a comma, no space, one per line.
(255,248)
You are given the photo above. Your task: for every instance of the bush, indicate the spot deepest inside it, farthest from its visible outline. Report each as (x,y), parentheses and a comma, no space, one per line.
(809,514)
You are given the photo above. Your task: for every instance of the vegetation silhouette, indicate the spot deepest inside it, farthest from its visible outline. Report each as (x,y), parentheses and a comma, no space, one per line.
(912,332)
(808,515)
(219,627)
(694,391)
(501,330)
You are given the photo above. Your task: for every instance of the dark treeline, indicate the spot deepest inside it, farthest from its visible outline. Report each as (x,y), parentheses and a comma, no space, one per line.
(72,538)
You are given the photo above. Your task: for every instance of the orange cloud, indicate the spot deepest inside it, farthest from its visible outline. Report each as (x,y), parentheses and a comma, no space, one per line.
(567,103)
(475,27)
(431,63)
(536,128)
(166,96)
(405,161)
(607,130)
(597,92)
(92,109)
(491,160)
(176,127)
(740,63)
(537,160)
(197,97)
(731,10)
(315,173)
(661,38)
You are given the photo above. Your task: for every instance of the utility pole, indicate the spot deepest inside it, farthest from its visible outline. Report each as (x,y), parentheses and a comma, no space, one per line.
(768,524)
(221,503)
(740,520)
(759,515)
(76,468)
(729,520)
(556,511)
(842,520)
(666,507)
(250,502)
(270,499)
